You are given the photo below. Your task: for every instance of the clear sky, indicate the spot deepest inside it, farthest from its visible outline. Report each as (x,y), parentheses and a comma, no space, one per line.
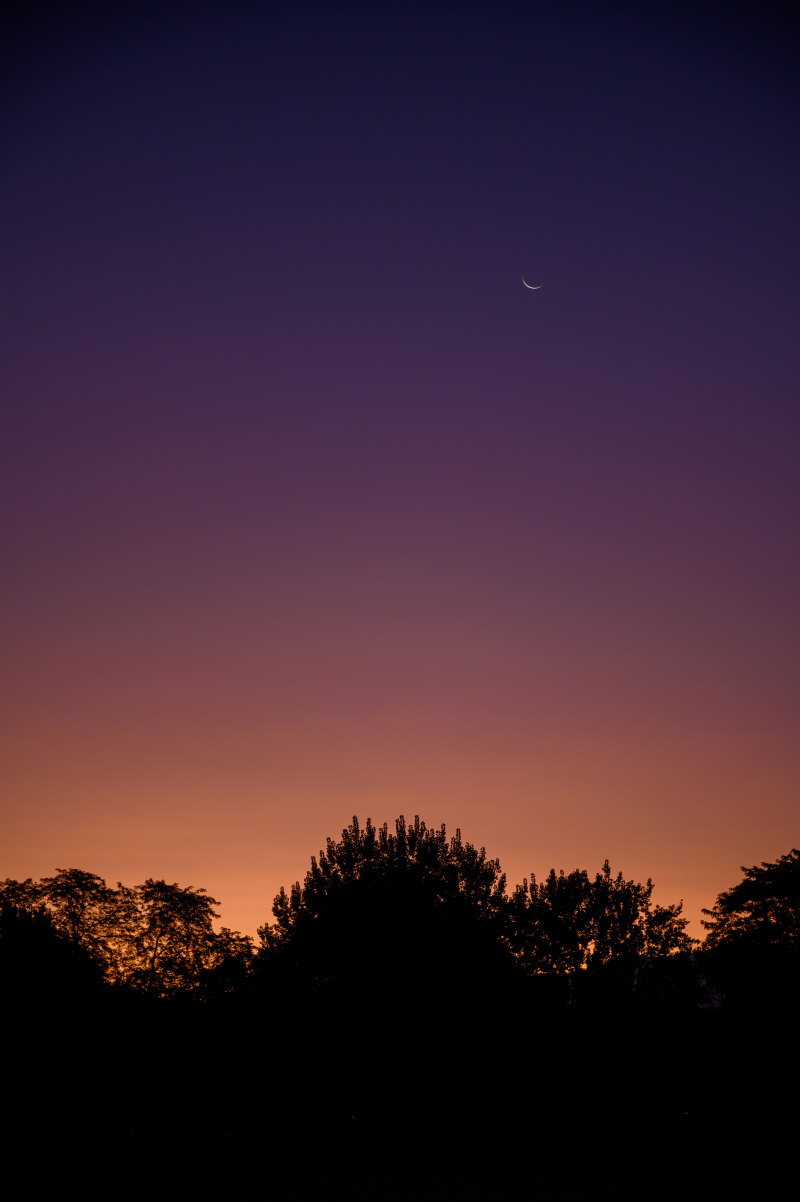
(311,509)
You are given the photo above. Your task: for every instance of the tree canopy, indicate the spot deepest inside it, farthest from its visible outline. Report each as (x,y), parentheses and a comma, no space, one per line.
(157,936)
(393,897)
(383,903)
(570,921)
(762,910)
(378,888)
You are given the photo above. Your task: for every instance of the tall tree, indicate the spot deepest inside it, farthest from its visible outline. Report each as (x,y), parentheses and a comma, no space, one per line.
(175,935)
(549,925)
(569,921)
(389,897)
(762,910)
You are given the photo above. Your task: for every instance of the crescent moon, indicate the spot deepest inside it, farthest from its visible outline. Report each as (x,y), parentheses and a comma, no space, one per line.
(533,287)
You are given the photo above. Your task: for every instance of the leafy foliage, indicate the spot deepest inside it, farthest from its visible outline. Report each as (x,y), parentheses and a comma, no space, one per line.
(83,908)
(390,897)
(156,936)
(763,910)
(413,892)
(377,905)
(173,937)
(569,921)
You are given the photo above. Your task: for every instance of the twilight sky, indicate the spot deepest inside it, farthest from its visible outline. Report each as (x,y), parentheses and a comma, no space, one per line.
(310,508)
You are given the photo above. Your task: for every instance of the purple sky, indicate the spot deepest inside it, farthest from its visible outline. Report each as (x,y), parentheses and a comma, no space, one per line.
(310,508)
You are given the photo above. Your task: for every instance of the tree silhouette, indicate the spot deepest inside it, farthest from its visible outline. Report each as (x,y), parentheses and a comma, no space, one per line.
(82,906)
(380,903)
(174,936)
(157,936)
(22,895)
(569,921)
(550,923)
(762,911)
(40,966)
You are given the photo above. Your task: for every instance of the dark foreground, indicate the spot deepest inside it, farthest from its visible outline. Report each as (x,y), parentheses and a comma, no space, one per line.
(459,1187)
(643,1083)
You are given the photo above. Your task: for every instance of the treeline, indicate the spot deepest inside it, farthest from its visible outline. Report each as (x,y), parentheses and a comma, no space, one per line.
(156,936)
(387,889)
(404,1011)
(409,899)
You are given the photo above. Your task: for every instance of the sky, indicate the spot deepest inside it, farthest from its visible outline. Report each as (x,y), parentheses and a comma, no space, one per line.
(311,509)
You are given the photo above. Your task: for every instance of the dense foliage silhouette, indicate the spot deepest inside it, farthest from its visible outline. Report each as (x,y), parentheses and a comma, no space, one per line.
(570,921)
(41,967)
(376,894)
(762,910)
(380,909)
(155,936)
(400,988)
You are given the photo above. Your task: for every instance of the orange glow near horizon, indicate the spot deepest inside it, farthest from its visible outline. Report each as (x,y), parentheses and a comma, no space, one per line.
(241,814)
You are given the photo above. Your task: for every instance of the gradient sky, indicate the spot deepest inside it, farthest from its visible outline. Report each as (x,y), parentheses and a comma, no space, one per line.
(310,508)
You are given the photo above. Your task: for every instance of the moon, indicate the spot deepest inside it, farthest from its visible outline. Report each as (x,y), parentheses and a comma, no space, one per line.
(533,287)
